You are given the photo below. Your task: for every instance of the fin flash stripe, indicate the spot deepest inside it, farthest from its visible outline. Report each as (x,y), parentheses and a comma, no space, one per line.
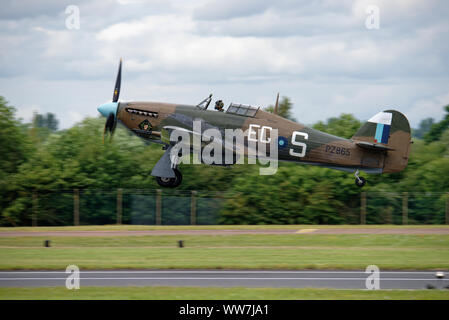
(382,133)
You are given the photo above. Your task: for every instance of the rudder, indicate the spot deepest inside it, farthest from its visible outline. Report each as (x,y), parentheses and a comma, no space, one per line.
(392,129)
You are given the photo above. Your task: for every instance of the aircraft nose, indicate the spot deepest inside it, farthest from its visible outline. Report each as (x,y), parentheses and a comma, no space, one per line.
(108,108)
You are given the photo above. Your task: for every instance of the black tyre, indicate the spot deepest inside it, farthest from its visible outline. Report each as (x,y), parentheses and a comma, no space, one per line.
(360,181)
(165,182)
(170,182)
(178,178)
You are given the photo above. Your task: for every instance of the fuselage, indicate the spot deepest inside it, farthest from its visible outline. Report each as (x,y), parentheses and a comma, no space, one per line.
(296,142)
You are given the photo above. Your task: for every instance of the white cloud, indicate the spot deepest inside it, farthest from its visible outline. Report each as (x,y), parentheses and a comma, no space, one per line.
(26,113)
(431,107)
(217,10)
(75,117)
(318,53)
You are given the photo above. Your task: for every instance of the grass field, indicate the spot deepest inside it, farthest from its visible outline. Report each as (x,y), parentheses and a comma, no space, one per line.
(195,293)
(248,251)
(209,227)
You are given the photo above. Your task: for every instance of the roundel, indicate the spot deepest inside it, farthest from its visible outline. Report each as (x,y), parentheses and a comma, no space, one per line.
(282,142)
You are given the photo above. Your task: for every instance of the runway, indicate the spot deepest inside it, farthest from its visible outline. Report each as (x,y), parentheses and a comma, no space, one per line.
(227,278)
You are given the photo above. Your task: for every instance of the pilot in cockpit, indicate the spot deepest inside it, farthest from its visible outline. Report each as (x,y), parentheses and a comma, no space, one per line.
(219,105)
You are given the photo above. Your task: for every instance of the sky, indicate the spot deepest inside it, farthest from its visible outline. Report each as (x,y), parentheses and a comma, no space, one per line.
(328,56)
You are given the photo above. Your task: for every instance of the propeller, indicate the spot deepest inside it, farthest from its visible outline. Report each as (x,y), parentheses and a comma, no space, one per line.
(109,110)
(118,82)
(109,125)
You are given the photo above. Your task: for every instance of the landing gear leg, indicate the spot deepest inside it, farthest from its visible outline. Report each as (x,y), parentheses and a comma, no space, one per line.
(166,172)
(359,181)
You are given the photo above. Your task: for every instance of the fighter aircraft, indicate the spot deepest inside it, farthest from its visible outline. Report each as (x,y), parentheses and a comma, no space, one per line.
(381,145)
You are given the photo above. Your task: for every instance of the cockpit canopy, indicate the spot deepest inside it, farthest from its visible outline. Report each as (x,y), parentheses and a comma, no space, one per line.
(242,109)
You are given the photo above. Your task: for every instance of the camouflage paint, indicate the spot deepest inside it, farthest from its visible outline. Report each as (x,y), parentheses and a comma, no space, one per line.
(321,147)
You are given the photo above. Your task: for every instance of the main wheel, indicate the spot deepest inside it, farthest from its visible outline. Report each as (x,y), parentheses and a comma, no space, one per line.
(170,182)
(178,178)
(165,182)
(360,181)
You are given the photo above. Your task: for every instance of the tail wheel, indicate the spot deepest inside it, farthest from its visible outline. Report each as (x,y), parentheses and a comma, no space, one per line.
(360,181)
(170,182)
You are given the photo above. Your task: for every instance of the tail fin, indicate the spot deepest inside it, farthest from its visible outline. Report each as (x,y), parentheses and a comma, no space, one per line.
(391,129)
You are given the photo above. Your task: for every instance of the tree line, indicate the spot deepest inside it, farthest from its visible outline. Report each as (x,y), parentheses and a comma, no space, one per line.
(39,158)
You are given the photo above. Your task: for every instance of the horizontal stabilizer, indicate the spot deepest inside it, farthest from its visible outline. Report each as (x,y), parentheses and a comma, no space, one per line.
(373,146)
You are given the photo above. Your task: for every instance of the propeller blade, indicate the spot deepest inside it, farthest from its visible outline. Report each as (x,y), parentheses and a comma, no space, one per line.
(275,111)
(109,125)
(112,129)
(118,82)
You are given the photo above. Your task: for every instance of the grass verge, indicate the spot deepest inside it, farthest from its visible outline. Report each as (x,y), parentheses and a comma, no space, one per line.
(291,251)
(196,293)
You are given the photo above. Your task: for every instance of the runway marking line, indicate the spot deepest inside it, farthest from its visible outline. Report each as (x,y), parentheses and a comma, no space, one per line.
(194,278)
(217,271)
(306,230)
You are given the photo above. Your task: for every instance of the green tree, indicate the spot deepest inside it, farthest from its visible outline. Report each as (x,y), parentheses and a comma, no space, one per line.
(424,127)
(77,158)
(284,108)
(45,121)
(294,195)
(346,125)
(15,149)
(59,161)
(41,127)
(437,129)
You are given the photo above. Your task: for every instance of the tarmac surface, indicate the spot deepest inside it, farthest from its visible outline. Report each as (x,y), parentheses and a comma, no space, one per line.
(116,233)
(227,278)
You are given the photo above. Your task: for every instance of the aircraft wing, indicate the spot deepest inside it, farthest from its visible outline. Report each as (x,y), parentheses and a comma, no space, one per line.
(238,149)
(169,129)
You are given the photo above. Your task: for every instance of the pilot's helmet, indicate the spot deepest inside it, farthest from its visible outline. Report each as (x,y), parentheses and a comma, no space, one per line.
(219,104)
